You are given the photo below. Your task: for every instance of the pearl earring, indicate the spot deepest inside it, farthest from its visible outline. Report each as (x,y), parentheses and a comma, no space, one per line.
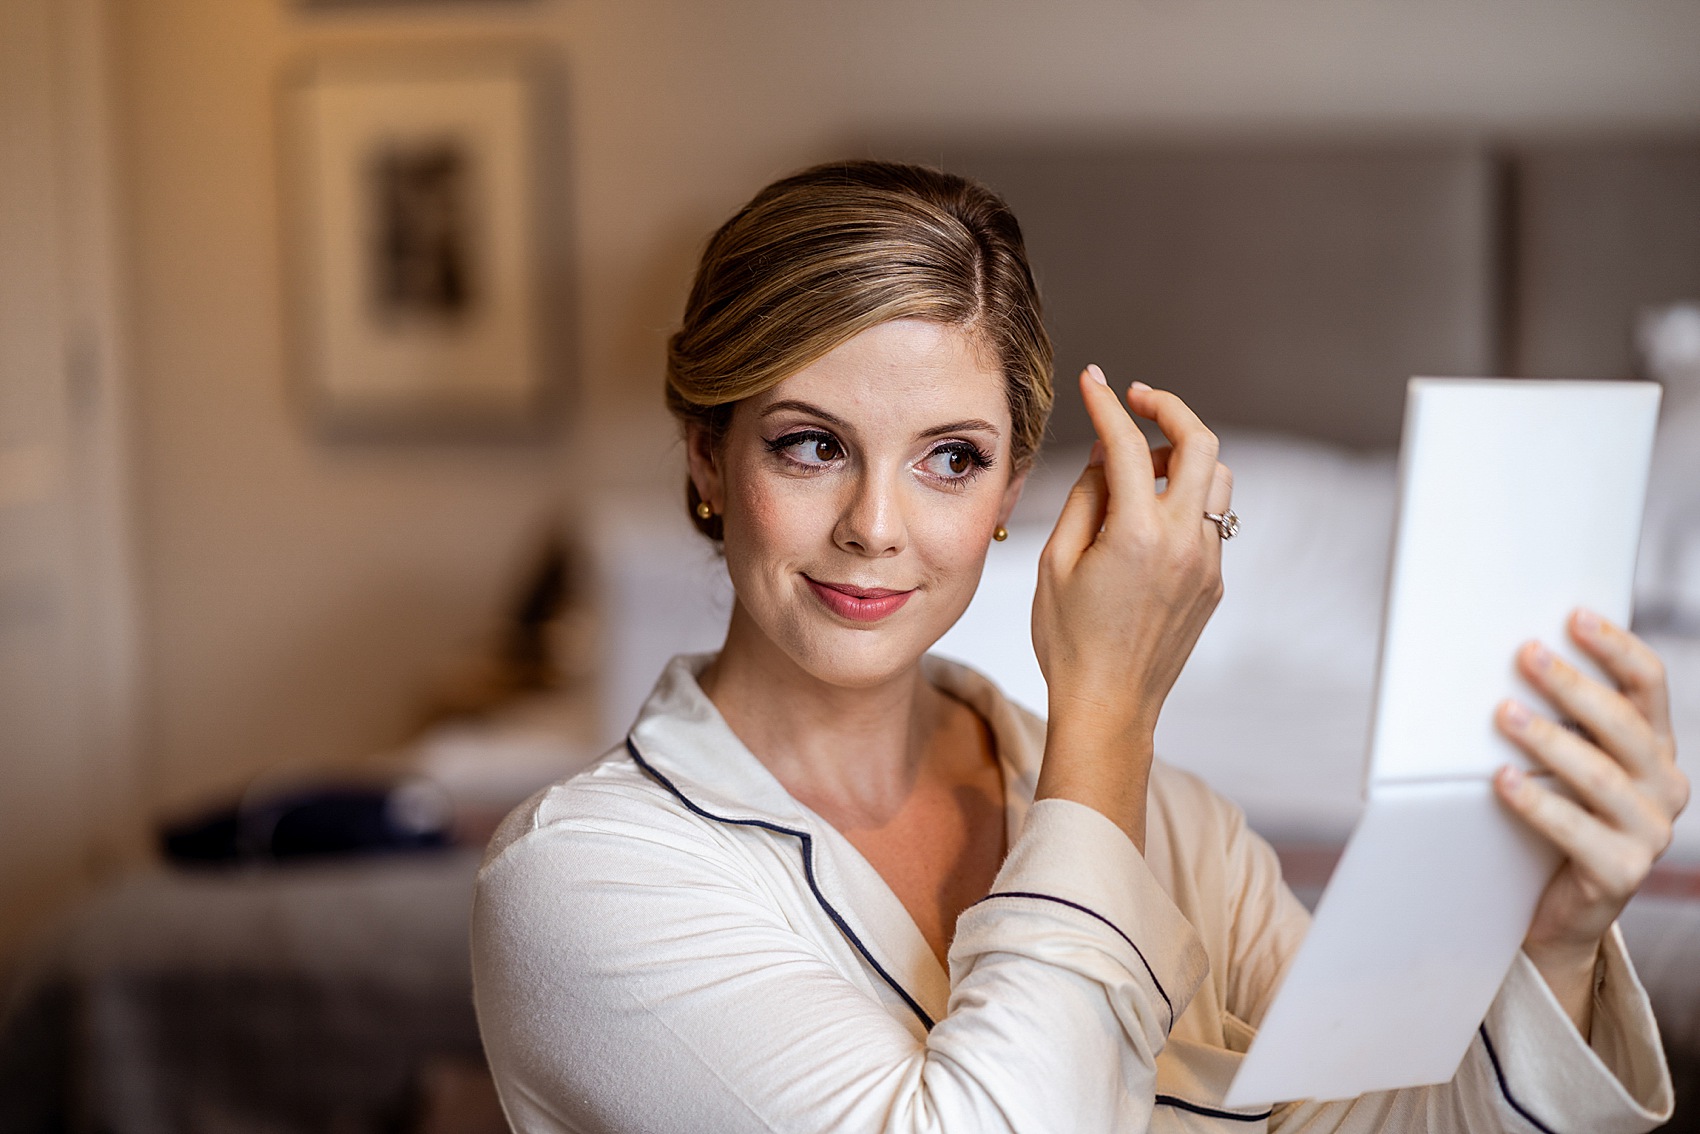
(1000,533)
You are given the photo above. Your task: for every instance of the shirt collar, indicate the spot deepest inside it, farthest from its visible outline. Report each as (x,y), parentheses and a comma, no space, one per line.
(680,733)
(684,740)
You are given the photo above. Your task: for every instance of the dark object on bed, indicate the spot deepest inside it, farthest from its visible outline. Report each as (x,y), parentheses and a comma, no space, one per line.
(313,824)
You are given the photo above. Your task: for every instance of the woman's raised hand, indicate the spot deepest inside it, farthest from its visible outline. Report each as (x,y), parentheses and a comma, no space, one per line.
(1126,584)
(1626,788)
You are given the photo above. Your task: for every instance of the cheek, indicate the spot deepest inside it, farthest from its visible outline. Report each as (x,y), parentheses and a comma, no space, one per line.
(954,540)
(968,517)
(769,519)
(767,511)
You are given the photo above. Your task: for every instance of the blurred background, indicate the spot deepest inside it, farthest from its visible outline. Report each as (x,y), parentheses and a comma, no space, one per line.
(338,508)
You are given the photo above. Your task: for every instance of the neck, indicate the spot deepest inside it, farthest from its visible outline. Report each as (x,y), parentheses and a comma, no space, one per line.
(861,747)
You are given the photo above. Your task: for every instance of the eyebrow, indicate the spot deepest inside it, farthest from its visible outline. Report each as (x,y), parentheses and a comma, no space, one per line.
(967,425)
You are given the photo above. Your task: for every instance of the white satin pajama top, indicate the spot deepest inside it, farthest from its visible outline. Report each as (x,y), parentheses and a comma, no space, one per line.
(668,942)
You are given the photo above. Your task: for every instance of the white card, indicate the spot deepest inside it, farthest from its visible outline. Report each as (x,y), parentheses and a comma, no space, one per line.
(1519,501)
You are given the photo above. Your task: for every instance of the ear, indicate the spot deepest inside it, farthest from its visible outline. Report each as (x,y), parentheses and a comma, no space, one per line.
(704,469)
(1011,495)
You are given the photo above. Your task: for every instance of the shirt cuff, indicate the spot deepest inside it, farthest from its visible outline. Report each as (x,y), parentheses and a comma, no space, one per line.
(1617,1083)
(1075,859)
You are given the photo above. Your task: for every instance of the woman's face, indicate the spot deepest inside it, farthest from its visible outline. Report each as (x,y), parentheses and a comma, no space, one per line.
(859,497)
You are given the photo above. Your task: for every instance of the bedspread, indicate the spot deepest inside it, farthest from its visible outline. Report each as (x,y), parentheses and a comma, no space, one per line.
(274,999)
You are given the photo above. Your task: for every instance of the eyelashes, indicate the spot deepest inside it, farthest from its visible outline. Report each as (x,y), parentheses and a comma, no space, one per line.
(953,463)
(825,447)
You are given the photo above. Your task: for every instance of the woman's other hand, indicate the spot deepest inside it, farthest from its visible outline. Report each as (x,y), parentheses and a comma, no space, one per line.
(1627,788)
(1126,584)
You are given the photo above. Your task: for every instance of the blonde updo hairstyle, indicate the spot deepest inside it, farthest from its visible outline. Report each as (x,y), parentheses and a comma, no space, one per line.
(821,256)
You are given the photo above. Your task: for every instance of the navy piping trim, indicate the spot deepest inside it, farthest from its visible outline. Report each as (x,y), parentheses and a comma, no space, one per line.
(1085,910)
(1499,1073)
(1182,1104)
(808,843)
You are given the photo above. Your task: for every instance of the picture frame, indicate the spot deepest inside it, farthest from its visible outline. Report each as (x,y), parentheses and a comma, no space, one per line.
(332,5)
(414,228)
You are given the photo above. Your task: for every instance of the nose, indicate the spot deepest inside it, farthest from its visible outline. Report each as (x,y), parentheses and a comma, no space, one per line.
(870,521)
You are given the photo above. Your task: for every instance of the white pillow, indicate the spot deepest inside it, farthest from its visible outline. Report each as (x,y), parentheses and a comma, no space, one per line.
(1305,577)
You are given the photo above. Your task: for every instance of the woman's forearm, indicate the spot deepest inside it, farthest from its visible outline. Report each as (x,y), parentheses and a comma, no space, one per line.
(1570,976)
(1100,763)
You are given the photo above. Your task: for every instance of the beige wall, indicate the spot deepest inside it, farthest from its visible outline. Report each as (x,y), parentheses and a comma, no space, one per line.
(296,595)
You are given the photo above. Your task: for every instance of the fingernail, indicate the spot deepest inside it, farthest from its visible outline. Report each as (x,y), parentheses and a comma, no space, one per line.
(1097,457)
(1517,714)
(1511,777)
(1587,621)
(1138,386)
(1540,656)
(1097,375)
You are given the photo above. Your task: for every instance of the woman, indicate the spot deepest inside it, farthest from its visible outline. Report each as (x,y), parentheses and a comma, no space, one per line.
(830,883)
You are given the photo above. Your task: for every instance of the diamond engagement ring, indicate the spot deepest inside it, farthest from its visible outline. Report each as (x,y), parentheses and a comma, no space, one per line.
(1227,523)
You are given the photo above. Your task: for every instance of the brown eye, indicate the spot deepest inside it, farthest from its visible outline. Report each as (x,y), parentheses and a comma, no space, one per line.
(810,448)
(957,462)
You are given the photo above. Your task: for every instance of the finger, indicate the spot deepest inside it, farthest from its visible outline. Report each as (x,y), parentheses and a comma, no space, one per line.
(1194,462)
(1221,488)
(1600,783)
(1082,515)
(1221,495)
(1127,458)
(1612,861)
(1615,724)
(1218,501)
(1631,663)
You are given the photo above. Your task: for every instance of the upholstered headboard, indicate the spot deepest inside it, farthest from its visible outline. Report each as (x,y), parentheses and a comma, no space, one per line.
(1290,287)
(1602,229)
(1295,286)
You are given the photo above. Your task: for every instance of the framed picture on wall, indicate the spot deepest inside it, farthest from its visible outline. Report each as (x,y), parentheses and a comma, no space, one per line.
(312,4)
(413,238)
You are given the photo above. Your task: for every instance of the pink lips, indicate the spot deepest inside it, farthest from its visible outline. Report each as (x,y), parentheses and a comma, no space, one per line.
(859,604)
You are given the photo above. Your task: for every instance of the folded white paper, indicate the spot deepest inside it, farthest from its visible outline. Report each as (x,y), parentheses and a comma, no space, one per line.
(1519,501)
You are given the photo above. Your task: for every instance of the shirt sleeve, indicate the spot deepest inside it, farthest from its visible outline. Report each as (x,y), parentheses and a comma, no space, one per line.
(636,976)
(1528,1070)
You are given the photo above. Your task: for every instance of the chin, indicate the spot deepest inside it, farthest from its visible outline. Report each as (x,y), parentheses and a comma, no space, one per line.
(859,657)
(867,663)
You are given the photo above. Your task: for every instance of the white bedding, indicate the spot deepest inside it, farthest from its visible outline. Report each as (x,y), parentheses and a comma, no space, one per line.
(1273,707)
